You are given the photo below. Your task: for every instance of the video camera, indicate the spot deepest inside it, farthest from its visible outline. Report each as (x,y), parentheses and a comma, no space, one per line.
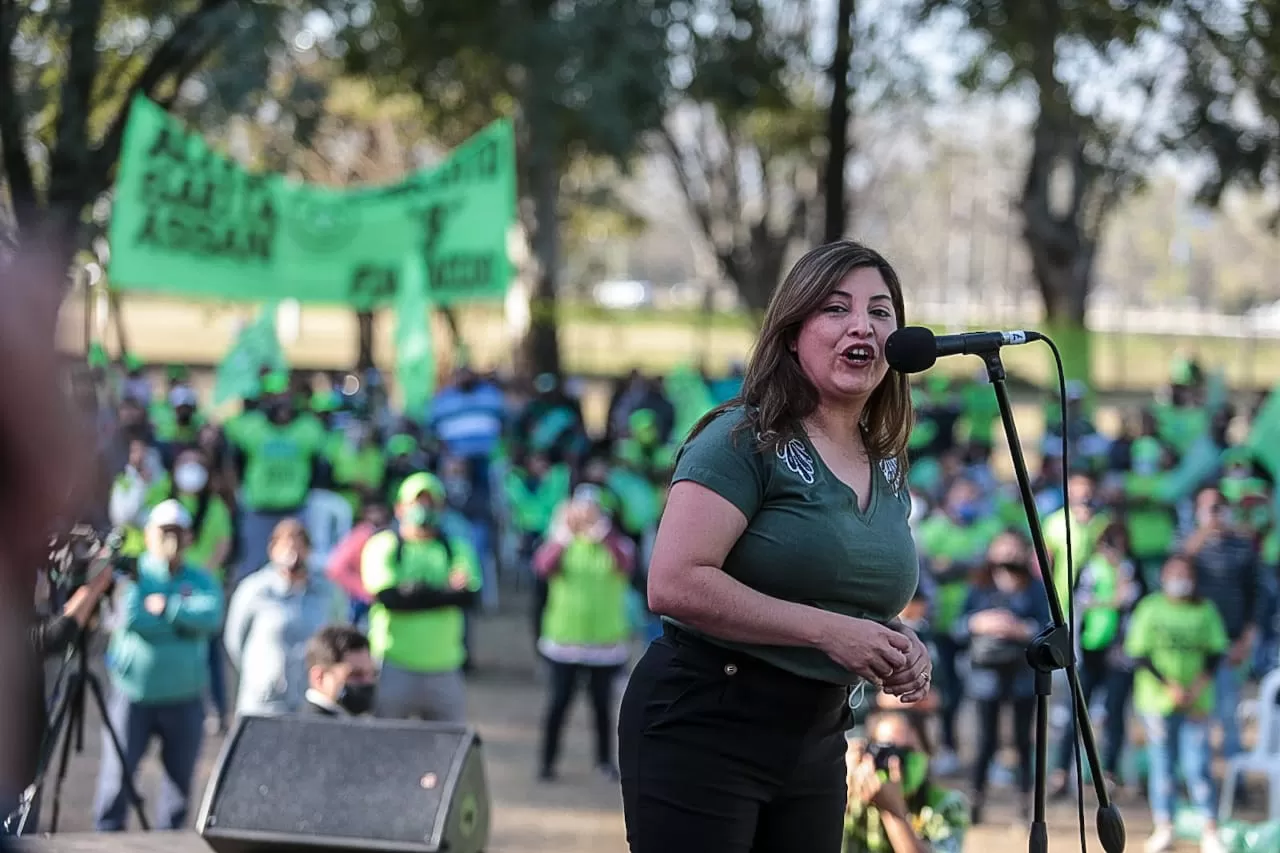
(79,554)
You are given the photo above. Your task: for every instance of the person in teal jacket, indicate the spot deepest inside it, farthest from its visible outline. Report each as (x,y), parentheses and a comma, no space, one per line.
(586,625)
(158,662)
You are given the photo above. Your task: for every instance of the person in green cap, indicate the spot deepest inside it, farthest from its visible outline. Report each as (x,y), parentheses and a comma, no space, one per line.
(421,580)
(278,449)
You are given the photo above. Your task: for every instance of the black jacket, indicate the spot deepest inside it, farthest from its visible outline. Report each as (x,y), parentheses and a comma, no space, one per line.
(311,709)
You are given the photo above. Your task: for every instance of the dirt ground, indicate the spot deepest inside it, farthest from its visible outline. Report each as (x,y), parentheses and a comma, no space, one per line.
(580,813)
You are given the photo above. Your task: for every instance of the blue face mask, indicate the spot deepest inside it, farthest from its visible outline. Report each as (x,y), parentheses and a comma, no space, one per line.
(967,513)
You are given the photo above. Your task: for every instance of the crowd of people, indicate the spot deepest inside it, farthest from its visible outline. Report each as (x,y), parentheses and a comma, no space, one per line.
(333,552)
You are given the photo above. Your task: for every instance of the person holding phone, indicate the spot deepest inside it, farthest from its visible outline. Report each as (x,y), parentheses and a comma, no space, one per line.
(894,804)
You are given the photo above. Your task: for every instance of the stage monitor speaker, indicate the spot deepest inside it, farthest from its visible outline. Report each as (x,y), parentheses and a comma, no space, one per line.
(303,784)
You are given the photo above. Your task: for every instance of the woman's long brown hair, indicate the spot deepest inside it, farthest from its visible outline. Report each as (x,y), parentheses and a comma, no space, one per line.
(775,392)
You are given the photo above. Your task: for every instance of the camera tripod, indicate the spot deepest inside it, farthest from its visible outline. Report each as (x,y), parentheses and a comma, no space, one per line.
(67,721)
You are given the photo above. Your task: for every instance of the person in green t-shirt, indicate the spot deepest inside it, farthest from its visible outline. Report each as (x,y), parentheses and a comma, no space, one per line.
(1109,587)
(278,448)
(954,540)
(1087,524)
(782,560)
(586,625)
(1177,640)
(420,579)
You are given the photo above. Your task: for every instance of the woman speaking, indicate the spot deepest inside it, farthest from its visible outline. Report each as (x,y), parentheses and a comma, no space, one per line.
(781,562)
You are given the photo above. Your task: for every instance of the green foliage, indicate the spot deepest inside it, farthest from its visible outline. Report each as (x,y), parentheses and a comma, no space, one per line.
(70,68)
(473,60)
(1233,102)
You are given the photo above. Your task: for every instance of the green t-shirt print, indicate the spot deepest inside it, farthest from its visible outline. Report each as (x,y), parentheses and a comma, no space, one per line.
(278,459)
(1177,637)
(806,539)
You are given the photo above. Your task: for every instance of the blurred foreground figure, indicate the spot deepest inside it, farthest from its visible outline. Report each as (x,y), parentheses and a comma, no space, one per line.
(42,458)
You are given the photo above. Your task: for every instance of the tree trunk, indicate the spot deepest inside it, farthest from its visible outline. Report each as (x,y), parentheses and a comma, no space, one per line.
(541,346)
(365,339)
(834,187)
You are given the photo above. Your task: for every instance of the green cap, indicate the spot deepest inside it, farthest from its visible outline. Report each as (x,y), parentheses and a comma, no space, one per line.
(132,362)
(97,355)
(418,484)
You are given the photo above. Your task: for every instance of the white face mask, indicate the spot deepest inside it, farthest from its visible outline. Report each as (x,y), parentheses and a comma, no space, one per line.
(190,477)
(1178,587)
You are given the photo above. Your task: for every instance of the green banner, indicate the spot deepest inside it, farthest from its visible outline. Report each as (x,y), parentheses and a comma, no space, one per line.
(189,222)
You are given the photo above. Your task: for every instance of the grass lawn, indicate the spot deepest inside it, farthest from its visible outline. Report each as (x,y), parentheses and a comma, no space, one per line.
(598,342)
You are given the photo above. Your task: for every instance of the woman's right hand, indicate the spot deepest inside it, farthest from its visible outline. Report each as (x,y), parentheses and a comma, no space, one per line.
(865,648)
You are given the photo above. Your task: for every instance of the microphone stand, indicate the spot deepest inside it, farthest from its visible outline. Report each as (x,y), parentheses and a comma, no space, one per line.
(1051,650)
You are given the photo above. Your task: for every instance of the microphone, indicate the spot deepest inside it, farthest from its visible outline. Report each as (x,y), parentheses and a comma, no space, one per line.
(913,349)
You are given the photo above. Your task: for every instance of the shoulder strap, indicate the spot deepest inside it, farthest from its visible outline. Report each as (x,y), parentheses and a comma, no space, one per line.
(399,549)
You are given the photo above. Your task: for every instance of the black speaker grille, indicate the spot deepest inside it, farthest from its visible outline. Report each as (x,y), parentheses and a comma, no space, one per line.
(353,780)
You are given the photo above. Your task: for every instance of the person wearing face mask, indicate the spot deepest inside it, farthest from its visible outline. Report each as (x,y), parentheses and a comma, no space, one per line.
(999,619)
(1109,588)
(158,662)
(1152,522)
(210,544)
(142,485)
(586,624)
(421,579)
(178,422)
(953,540)
(1226,568)
(894,804)
(1087,523)
(272,615)
(357,463)
(278,450)
(341,675)
(343,567)
(1177,639)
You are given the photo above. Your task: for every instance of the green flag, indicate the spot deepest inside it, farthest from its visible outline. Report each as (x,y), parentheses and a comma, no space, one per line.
(189,222)
(1264,434)
(256,347)
(415,350)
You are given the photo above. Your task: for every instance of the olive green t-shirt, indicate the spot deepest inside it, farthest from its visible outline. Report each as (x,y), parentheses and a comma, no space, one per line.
(806,539)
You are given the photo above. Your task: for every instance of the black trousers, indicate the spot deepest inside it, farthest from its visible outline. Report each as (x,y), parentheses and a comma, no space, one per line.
(564,684)
(722,752)
(988,711)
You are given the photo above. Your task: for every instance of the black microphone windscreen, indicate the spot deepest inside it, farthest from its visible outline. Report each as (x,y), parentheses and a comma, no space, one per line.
(911,349)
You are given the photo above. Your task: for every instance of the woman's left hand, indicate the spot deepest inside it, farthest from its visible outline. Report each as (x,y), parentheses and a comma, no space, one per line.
(870,789)
(911,684)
